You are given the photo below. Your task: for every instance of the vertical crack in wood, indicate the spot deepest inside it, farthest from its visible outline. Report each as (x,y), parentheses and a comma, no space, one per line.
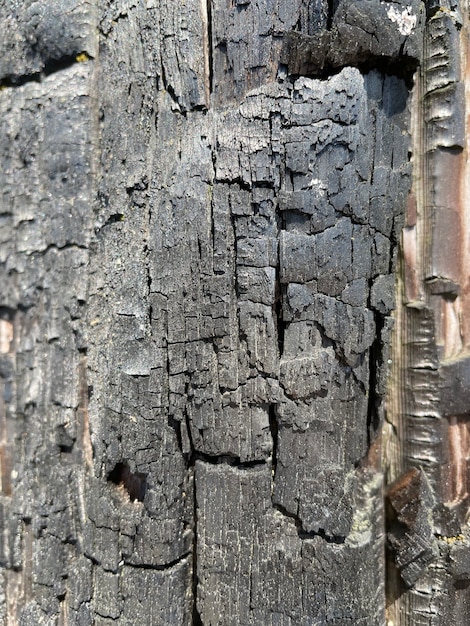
(331,11)
(274,428)
(375,364)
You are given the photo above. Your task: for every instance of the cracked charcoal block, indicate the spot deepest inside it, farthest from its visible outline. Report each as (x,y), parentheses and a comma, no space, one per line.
(362,32)
(59,187)
(183,44)
(149,596)
(245,57)
(196,251)
(391,30)
(242,584)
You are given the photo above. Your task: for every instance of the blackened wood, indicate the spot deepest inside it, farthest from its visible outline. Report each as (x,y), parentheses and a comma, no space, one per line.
(198,252)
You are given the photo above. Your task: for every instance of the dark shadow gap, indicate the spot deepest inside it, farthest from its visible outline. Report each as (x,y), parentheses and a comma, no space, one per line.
(134,483)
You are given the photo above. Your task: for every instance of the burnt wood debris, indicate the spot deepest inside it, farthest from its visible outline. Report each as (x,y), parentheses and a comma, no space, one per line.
(210,411)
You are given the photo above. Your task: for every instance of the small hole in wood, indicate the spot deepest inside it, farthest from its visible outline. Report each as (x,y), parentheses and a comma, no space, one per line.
(134,483)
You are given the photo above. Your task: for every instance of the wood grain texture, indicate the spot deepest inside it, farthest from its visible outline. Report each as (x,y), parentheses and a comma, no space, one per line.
(428,401)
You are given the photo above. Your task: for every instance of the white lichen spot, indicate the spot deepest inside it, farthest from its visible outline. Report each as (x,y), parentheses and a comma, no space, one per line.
(318,185)
(405,19)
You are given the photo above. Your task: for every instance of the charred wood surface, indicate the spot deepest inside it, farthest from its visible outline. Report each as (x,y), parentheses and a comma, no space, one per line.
(199,223)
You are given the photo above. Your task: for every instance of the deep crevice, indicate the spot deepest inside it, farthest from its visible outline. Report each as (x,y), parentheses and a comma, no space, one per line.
(403,67)
(226,459)
(210,53)
(144,185)
(279,289)
(56,65)
(115,218)
(66,448)
(190,460)
(176,425)
(243,184)
(279,295)
(309,534)
(19,81)
(330,14)
(159,568)
(7,313)
(135,483)
(53,246)
(274,428)
(375,365)
(51,66)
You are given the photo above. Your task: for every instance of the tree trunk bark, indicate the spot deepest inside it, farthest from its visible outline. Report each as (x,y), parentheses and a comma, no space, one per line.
(200,215)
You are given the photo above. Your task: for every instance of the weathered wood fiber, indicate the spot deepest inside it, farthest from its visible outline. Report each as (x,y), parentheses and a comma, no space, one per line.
(198,247)
(428,400)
